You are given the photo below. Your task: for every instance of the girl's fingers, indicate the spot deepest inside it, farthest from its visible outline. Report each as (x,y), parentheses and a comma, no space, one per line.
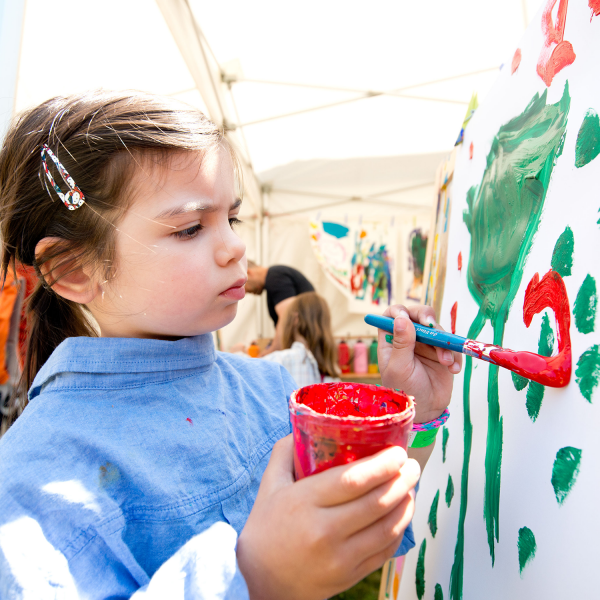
(339,485)
(280,470)
(362,512)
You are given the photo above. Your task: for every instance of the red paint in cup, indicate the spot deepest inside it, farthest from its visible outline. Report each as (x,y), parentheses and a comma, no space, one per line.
(338,423)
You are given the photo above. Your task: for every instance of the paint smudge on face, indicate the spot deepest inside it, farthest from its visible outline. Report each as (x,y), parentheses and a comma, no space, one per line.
(432,519)
(516,61)
(535,393)
(502,217)
(584,309)
(438,594)
(453,311)
(445,436)
(460,262)
(420,573)
(108,473)
(519,382)
(565,471)
(449,491)
(562,256)
(587,373)
(557,53)
(526,546)
(587,146)
(190,421)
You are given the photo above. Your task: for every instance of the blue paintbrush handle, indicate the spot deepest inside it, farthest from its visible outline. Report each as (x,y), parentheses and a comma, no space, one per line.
(425,335)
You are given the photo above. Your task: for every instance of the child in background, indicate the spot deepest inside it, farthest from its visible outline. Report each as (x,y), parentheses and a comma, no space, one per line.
(309,353)
(134,468)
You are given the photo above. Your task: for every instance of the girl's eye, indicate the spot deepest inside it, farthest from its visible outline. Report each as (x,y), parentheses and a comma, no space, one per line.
(233,221)
(189,233)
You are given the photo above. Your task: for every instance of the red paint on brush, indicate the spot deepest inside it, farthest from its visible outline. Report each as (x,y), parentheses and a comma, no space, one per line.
(337,423)
(595,6)
(516,61)
(460,261)
(557,53)
(453,317)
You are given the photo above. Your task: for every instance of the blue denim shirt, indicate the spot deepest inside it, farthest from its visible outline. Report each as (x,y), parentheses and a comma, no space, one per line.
(133,468)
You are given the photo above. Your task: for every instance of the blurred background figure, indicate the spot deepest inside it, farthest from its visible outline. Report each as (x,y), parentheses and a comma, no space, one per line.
(309,349)
(282,285)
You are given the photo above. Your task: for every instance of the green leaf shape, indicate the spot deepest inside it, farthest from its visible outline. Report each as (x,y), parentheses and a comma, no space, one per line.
(519,381)
(420,572)
(432,520)
(562,256)
(527,547)
(587,373)
(587,146)
(449,491)
(535,392)
(445,436)
(438,594)
(584,309)
(565,471)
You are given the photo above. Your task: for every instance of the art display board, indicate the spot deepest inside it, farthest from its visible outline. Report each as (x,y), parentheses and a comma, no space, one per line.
(508,504)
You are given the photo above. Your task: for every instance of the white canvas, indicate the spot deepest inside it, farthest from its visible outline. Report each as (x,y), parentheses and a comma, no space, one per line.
(565,561)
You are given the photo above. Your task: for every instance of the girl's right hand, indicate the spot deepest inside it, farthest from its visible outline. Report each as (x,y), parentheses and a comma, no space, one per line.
(314,538)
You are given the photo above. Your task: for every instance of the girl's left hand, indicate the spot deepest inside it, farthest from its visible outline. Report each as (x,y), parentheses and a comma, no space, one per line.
(422,371)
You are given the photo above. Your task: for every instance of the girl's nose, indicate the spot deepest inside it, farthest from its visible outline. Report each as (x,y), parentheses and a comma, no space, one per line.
(229,247)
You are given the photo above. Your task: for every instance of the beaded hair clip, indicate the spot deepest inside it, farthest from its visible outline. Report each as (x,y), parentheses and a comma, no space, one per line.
(74,198)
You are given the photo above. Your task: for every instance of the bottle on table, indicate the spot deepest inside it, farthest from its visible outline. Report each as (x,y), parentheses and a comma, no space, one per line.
(253,350)
(344,357)
(361,361)
(373,363)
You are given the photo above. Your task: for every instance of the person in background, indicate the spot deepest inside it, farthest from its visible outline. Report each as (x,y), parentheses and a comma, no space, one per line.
(309,353)
(282,285)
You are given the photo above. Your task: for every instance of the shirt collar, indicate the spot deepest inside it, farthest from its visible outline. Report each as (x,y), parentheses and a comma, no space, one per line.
(126,355)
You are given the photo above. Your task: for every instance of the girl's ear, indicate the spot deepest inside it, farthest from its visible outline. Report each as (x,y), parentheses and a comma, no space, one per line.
(65,276)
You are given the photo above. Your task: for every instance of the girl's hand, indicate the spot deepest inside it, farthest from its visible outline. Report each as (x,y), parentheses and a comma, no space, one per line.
(422,371)
(311,539)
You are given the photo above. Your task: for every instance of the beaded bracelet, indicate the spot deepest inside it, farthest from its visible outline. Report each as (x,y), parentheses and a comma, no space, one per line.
(423,434)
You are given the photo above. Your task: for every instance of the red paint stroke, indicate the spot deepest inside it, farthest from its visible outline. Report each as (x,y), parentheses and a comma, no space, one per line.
(595,6)
(453,317)
(557,53)
(516,61)
(460,261)
(471,151)
(190,421)
(553,371)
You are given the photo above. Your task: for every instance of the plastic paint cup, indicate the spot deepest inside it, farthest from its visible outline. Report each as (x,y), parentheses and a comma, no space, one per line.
(338,423)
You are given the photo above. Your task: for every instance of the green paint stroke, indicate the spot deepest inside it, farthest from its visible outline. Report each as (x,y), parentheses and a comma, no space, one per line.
(587,146)
(445,436)
(519,381)
(527,547)
(565,471)
(449,491)
(438,594)
(432,520)
(562,257)
(587,373)
(420,574)
(584,309)
(535,393)
(502,217)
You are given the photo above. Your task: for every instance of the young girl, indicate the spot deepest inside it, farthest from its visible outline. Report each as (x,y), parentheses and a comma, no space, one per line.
(137,461)
(309,353)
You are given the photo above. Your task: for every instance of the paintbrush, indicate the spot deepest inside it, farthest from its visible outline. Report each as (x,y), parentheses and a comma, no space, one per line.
(554,371)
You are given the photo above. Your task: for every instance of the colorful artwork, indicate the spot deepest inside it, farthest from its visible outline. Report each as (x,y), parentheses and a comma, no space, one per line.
(417,250)
(516,462)
(359,259)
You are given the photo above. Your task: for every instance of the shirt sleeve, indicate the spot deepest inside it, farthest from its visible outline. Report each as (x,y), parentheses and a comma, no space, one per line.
(280,286)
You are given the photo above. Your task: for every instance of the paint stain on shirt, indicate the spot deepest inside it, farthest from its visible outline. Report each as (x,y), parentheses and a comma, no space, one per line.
(190,421)
(586,302)
(108,473)
(526,546)
(587,373)
(565,471)
(587,146)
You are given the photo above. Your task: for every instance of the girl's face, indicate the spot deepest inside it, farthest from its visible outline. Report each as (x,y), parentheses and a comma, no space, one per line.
(181,268)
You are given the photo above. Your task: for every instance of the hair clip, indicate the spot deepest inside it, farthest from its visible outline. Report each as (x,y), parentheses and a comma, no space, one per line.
(74,198)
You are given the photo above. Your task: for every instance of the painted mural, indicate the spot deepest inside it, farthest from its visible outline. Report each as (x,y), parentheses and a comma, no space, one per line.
(358,257)
(507,505)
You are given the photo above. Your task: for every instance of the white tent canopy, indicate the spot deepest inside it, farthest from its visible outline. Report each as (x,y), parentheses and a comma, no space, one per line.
(338,106)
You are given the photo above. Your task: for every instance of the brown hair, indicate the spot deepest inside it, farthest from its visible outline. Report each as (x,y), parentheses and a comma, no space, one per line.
(308,315)
(100,138)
